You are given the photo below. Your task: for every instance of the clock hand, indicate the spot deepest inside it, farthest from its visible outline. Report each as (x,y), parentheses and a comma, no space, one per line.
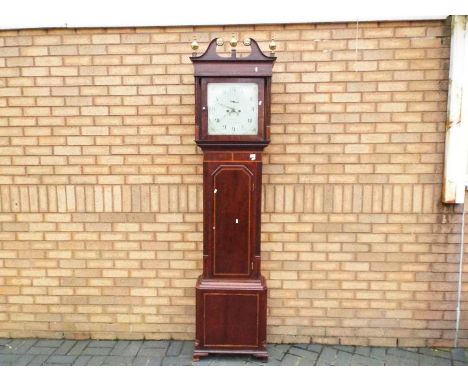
(229,107)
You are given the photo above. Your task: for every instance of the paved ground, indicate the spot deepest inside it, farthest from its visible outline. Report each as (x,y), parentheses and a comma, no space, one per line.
(93,352)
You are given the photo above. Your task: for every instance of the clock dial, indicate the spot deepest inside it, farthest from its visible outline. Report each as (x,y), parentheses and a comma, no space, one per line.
(232,108)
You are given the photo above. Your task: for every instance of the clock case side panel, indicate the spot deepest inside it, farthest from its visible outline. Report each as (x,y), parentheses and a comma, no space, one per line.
(198,114)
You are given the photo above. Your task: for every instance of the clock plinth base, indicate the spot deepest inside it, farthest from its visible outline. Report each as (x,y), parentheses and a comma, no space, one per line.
(260,355)
(231,317)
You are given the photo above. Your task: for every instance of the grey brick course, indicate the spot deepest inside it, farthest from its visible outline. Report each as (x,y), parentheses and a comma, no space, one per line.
(327,357)
(82,360)
(174,348)
(40,350)
(115,360)
(61,360)
(291,360)
(38,360)
(96,351)
(96,360)
(78,348)
(65,347)
(147,361)
(152,352)
(165,353)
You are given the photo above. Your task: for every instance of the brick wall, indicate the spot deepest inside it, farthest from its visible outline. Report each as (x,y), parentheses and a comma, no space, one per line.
(101,186)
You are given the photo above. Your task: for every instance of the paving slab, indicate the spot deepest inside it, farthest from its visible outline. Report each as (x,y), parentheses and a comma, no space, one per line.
(38,360)
(302,353)
(49,343)
(177,361)
(291,360)
(152,352)
(40,350)
(362,350)
(65,347)
(442,361)
(459,355)
(96,360)
(119,347)
(187,348)
(155,344)
(79,347)
(61,360)
(392,360)
(271,362)
(360,360)
(82,360)
(23,360)
(102,344)
(327,357)
(443,353)
(21,346)
(96,351)
(304,362)
(116,360)
(343,358)
(238,360)
(315,348)
(348,349)
(427,360)
(403,353)
(132,349)
(174,348)
(277,351)
(147,361)
(378,353)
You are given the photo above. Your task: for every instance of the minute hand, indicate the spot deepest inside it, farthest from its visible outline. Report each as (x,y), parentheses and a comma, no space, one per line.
(229,107)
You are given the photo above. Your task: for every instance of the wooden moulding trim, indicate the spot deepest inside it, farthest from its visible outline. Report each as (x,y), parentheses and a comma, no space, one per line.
(217,145)
(232,284)
(229,69)
(256,54)
(210,63)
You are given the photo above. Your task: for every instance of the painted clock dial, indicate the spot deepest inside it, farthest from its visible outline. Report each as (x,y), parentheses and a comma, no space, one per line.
(232,108)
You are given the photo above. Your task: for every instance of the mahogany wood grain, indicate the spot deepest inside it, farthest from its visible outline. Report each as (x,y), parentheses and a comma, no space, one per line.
(231,293)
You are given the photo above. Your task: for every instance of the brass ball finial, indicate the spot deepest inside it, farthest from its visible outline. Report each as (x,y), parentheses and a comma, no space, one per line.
(272,46)
(233,41)
(194,45)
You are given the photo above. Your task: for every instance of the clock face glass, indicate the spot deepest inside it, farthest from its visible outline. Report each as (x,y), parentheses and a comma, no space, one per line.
(232,108)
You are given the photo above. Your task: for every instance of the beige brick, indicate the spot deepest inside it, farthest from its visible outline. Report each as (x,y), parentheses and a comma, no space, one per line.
(100,172)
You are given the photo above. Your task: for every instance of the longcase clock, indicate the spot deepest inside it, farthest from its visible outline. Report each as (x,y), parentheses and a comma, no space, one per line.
(232,108)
